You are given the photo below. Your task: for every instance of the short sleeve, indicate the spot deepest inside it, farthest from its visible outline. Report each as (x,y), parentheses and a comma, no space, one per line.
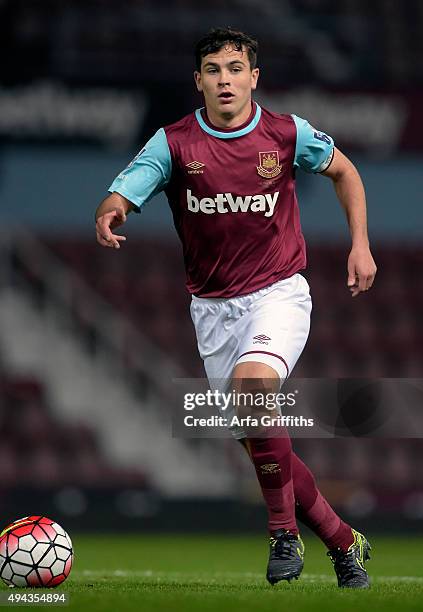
(147,174)
(314,150)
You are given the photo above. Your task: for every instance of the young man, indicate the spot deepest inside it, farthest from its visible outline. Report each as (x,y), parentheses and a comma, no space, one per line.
(229,174)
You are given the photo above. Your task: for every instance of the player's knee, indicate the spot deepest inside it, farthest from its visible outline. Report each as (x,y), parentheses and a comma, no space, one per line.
(253,373)
(255,385)
(255,379)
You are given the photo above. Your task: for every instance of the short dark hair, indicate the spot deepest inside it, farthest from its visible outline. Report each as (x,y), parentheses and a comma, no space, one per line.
(217,38)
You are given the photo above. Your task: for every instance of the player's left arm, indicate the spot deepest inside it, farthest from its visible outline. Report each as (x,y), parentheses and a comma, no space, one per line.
(350,191)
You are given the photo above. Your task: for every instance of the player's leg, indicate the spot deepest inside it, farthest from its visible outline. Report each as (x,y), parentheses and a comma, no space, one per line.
(271,453)
(275,334)
(348,549)
(219,326)
(314,510)
(269,448)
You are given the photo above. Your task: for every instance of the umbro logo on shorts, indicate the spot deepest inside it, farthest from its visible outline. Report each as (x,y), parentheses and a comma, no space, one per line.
(226,202)
(261,339)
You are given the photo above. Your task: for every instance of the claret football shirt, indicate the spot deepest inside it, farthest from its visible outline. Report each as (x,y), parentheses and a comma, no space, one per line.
(232,196)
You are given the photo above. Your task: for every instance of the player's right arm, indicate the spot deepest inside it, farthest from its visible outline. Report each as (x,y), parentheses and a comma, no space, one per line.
(111,214)
(146,175)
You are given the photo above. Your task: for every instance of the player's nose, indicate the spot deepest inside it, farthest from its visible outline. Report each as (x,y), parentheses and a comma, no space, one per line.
(224,80)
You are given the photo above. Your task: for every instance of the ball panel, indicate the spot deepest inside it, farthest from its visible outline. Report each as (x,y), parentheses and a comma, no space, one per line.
(22,530)
(68,565)
(58,529)
(62,541)
(19,581)
(40,535)
(57,580)
(3,546)
(45,575)
(20,569)
(62,553)
(39,551)
(48,559)
(6,572)
(12,543)
(58,567)
(43,520)
(27,542)
(11,526)
(33,579)
(49,531)
(22,556)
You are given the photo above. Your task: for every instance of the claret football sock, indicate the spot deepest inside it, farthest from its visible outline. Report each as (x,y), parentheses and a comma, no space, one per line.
(311,508)
(314,511)
(272,459)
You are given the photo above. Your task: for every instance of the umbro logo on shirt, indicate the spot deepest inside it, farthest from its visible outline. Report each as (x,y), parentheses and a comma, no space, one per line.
(195,167)
(261,339)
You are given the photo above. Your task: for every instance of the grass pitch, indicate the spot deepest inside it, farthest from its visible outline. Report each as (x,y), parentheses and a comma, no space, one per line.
(222,573)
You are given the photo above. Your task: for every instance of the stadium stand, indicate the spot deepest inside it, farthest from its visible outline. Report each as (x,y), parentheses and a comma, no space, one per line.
(379,334)
(38,448)
(96,41)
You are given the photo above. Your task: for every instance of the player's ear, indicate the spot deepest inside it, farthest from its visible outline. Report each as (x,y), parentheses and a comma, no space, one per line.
(254,77)
(197,79)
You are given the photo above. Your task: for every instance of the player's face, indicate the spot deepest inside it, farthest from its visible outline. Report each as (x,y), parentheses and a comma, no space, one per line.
(226,81)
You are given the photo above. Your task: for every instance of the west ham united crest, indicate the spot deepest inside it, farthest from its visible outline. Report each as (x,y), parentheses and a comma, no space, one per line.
(269,164)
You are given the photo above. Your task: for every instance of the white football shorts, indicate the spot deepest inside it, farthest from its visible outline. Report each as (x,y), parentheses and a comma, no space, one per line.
(269,326)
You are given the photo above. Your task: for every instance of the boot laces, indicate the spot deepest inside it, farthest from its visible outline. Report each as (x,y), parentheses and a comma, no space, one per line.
(345,563)
(282,546)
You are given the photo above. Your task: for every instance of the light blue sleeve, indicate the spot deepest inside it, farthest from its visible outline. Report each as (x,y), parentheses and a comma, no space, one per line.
(314,150)
(147,174)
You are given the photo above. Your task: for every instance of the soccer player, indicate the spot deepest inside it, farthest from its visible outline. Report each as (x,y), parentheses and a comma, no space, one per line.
(228,171)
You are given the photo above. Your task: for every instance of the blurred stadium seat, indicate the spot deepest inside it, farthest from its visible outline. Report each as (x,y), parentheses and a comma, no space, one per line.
(43,450)
(376,335)
(98,41)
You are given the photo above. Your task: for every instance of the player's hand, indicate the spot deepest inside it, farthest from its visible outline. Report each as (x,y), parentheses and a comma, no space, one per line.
(361,270)
(104,226)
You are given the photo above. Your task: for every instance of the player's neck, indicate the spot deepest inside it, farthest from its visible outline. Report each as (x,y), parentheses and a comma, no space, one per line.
(229,121)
